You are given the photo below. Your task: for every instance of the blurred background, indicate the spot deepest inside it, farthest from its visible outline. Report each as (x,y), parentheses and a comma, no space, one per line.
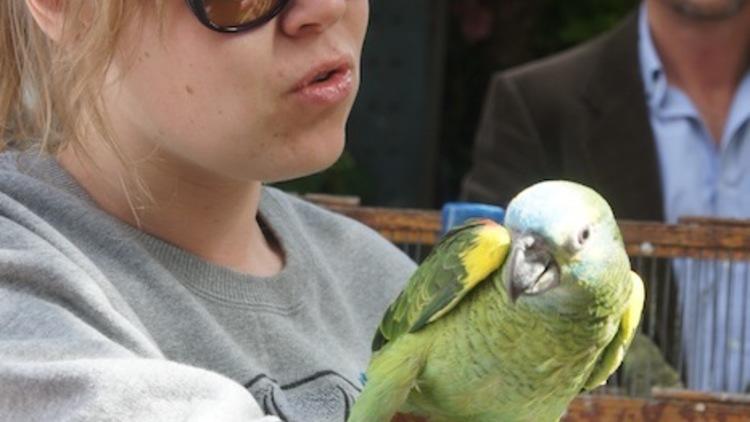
(425,73)
(425,70)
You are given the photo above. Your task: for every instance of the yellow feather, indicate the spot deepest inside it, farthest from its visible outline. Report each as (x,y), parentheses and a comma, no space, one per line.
(485,255)
(632,315)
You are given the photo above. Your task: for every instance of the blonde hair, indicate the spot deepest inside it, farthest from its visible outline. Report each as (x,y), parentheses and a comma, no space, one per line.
(50,92)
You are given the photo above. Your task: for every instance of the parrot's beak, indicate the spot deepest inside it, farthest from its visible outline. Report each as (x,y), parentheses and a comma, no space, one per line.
(532,268)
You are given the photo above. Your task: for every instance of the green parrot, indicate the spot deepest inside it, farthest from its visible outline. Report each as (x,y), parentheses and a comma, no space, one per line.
(508,323)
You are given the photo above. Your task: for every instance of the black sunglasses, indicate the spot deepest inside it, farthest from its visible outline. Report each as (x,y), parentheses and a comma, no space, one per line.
(235,15)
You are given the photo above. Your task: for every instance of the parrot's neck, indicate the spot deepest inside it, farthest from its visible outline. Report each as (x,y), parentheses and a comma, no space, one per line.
(573,301)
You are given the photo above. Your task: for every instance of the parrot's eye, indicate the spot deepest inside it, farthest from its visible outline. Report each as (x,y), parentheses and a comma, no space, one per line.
(583,236)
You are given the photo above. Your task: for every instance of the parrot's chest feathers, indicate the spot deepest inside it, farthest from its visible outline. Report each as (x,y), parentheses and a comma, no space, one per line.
(549,345)
(508,354)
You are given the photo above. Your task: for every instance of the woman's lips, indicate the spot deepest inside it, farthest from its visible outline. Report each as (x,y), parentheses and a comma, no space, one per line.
(326,85)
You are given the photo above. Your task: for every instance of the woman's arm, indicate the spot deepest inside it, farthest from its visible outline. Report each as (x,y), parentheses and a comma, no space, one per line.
(66,353)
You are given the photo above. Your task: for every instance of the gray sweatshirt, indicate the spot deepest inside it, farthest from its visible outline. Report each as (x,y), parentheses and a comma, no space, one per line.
(102,322)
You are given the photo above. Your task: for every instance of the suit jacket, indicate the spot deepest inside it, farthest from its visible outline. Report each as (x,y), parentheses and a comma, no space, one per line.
(580,115)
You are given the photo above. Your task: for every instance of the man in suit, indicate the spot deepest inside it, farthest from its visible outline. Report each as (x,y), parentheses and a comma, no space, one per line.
(654,114)
(584,114)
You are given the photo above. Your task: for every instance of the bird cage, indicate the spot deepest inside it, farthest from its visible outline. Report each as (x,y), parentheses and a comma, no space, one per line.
(693,354)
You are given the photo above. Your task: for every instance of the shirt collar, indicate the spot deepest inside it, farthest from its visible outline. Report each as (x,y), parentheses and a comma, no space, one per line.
(739,113)
(664,101)
(652,71)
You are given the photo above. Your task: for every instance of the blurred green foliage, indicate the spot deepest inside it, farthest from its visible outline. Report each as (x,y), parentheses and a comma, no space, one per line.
(570,22)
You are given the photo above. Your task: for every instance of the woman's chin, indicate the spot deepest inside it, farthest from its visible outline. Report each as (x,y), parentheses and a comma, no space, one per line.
(290,158)
(307,170)
(306,165)
(322,156)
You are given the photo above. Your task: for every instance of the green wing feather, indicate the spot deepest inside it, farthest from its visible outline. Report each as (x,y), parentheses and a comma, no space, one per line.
(465,257)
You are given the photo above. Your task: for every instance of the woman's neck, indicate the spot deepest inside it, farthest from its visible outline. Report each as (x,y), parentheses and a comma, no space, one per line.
(207,215)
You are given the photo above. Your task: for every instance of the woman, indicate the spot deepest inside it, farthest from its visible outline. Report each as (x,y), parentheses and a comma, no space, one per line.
(145,271)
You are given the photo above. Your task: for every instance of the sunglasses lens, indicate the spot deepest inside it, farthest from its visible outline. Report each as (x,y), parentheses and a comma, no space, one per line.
(237,12)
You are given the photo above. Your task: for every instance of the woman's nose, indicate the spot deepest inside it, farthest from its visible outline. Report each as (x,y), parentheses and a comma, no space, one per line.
(303,17)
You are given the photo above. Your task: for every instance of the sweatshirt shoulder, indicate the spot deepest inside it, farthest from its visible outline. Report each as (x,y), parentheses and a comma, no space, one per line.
(331,230)
(304,211)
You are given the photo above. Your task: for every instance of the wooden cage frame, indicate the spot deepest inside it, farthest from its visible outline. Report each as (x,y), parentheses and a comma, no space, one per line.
(693,237)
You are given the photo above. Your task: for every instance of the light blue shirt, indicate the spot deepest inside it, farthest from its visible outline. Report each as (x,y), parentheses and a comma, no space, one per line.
(700,177)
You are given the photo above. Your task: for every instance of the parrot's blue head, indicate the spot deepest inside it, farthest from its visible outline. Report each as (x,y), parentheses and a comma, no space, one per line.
(564,239)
